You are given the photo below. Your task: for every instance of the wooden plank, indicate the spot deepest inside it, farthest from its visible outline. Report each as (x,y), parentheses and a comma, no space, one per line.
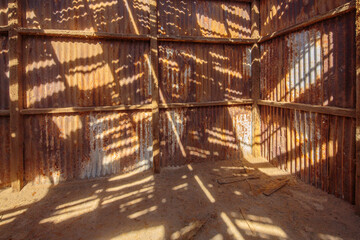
(335,111)
(168,38)
(154,64)
(255,79)
(206,104)
(274,186)
(228,180)
(81,34)
(4,29)
(5,113)
(15,91)
(357,176)
(35,111)
(343,9)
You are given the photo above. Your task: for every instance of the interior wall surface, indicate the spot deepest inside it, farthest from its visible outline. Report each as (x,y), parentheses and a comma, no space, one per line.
(87,80)
(315,66)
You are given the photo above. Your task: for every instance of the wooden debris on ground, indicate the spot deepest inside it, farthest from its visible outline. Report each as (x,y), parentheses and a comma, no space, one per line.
(190,231)
(239,178)
(274,186)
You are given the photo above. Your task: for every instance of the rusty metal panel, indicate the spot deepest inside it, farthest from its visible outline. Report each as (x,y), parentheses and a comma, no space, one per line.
(4,151)
(113,16)
(88,145)
(4,73)
(313,66)
(276,15)
(203,72)
(192,135)
(63,72)
(318,148)
(3,13)
(217,19)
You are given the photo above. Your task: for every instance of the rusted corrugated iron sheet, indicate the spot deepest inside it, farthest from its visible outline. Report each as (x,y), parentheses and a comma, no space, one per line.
(314,66)
(279,14)
(126,16)
(3,13)
(72,72)
(203,72)
(64,147)
(220,19)
(204,134)
(318,148)
(4,151)
(4,73)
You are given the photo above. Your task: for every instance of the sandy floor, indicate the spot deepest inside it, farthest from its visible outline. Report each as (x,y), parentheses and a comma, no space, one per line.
(144,206)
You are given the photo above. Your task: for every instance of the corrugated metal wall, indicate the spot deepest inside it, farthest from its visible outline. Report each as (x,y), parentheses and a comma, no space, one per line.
(318,148)
(82,73)
(65,72)
(193,72)
(204,72)
(220,19)
(316,66)
(112,16)
(280,14)
(67,146)
(204,134)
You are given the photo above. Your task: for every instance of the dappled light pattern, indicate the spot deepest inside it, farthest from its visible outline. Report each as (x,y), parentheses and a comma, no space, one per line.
(65,147)
(148,206)
(214,19)
(276,15)
(315,147)
(204,134)
(314,66)
(113,16)
(69,73)
(200,73)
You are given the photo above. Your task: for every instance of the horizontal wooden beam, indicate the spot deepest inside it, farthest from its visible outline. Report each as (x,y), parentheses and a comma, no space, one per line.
(345,8)
(206,104)
(34,111)
(4,112)
(4,29)
(37,111)
(336,111)
(168,38)
(81,34)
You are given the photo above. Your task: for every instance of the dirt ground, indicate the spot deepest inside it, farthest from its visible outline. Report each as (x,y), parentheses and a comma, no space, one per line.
(178,203)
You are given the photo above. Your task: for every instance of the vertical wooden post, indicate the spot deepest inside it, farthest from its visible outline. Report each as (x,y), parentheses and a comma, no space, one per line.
(16,126)
(255,78)
(155,85)
(357,176)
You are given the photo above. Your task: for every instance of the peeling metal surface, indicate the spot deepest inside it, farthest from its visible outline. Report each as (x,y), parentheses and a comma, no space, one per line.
(318,148)
(314,66)
(127,16)
(204,134)
(276,15)
(217,19)
(73,146)
(4,73)
(203,72)
(81,73)
(4,151)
